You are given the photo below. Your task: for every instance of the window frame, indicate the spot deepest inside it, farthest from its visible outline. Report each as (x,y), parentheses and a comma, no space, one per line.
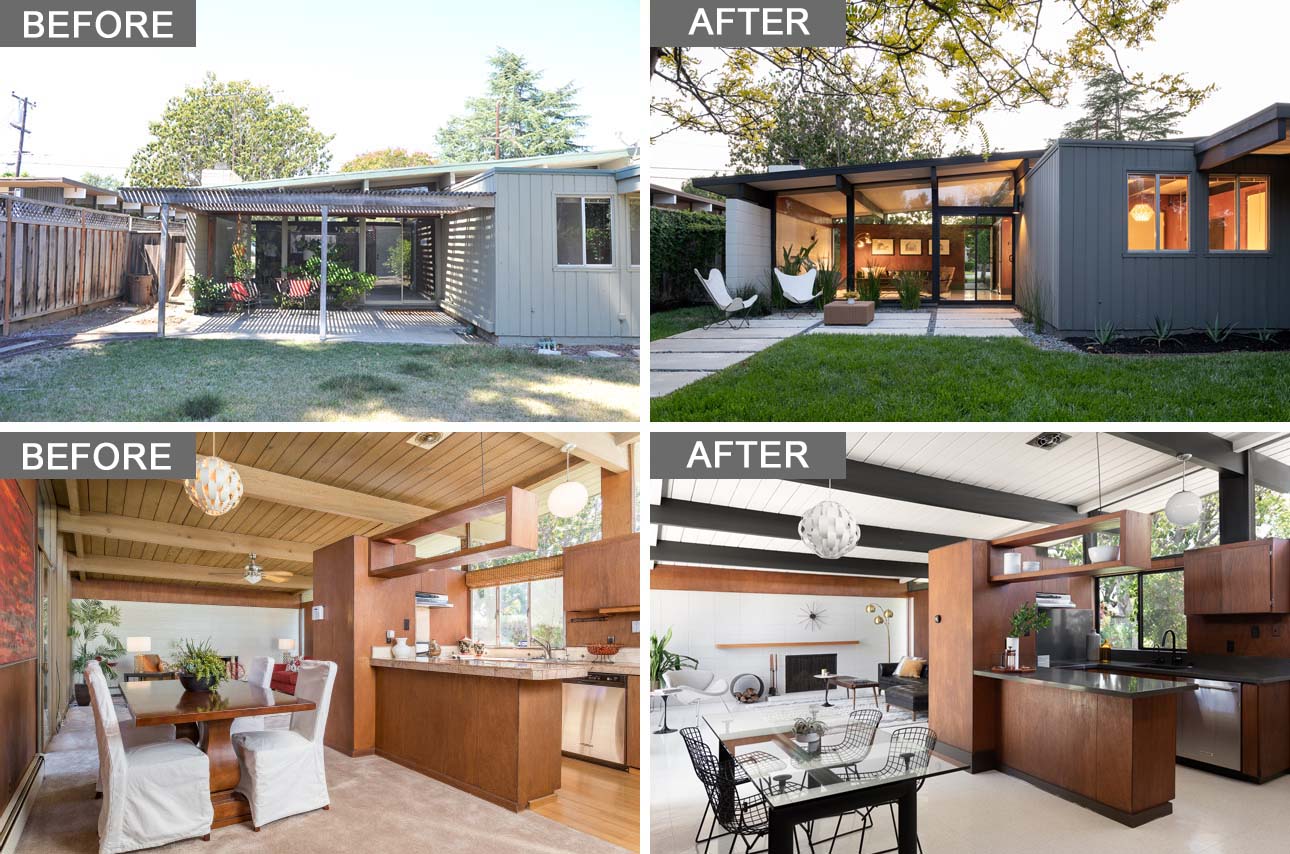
(640,228)
(582,207)
(1159,250)
(1237,177)
(1138,576)
(497,616)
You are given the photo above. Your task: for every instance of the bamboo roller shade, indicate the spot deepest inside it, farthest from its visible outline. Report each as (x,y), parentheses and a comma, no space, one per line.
(535,569)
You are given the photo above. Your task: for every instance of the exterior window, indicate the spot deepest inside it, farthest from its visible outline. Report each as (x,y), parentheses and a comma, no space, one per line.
(1134,611)
(584,232)
(509,615)
(1238,213)
(1157,208)
(634,228)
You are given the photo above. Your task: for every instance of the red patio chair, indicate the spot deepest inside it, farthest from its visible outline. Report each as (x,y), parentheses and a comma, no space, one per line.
(243,295)
(298,289)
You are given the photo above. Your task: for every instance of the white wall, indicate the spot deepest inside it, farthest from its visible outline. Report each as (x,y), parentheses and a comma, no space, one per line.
(701,620)
(747,247)
(233,630)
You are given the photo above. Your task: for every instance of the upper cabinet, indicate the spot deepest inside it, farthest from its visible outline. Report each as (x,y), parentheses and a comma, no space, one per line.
(602,590)
(1238,578)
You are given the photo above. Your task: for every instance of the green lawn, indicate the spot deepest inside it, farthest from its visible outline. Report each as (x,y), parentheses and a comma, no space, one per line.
(890,378)
(229,380)
(663,324)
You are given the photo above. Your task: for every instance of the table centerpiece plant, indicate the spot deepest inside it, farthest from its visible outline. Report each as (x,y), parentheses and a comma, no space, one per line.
(200,667)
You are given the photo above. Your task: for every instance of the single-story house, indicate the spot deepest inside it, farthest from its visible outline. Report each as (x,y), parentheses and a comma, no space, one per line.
(1089,232)
(668,198)
(521,249)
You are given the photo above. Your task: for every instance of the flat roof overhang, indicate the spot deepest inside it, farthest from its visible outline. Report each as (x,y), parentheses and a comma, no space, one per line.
(758,186)
(1262,133)
(310,202)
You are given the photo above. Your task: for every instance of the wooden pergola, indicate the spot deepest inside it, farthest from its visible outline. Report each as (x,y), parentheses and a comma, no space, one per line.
(407,203)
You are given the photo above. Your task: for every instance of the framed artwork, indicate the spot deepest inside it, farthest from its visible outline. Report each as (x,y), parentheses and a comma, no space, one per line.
(911,246)
(883,246)
(945,247)
(17,576)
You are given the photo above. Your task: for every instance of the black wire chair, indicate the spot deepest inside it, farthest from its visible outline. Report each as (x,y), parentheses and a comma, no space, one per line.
(843,757)
(909,752)
(705,764)
(745,817)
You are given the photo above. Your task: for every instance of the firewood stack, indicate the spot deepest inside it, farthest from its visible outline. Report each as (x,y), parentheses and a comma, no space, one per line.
(748,695)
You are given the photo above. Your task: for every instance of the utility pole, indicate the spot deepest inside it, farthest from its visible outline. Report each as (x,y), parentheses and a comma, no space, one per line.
(21,127)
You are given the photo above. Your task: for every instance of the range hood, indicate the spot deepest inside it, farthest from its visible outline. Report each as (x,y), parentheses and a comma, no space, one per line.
(432,600)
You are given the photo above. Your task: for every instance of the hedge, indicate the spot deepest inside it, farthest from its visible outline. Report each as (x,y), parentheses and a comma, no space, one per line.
(679,243)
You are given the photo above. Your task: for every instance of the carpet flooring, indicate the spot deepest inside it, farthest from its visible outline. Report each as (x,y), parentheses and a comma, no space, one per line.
(376,806)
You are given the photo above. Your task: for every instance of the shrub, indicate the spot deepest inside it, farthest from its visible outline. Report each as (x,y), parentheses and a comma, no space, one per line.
(910,291)
(208,294)
(681,242)
(345,285)
(827,281)
(869,286)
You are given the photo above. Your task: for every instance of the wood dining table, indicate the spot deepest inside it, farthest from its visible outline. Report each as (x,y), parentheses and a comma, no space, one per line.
(212,714)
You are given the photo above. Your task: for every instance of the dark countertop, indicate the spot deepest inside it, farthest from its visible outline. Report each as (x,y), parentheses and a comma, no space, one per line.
(1078,679)
(1228,668)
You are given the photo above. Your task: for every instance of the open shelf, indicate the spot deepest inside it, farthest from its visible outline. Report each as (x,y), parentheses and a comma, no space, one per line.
(1134,530)
(786,643)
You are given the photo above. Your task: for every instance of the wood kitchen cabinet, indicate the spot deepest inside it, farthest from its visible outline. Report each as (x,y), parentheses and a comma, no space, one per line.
(633,721)
(1238,578)
(602,576)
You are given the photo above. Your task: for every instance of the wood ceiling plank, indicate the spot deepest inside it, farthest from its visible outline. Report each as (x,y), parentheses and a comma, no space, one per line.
(129,568)
(182,536)
(598,448)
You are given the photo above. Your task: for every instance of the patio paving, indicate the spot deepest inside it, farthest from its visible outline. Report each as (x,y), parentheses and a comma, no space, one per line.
(692,355)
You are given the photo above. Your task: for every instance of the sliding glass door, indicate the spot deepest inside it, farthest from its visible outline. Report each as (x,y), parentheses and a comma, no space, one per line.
(978,264)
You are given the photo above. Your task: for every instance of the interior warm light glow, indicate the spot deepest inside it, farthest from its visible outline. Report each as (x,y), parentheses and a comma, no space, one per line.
(1142,212)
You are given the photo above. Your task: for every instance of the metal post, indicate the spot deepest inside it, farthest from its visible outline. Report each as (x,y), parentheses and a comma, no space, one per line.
(936,240)
(284,248)
(322,285)
(851,243)
(161,270)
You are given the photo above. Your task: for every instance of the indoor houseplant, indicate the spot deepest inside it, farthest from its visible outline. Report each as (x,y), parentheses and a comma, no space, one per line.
(1024,620)
(662,660)
(200,667)
(807,732)
(90,628)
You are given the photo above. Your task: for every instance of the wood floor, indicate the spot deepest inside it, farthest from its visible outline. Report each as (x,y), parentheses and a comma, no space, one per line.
(600,801)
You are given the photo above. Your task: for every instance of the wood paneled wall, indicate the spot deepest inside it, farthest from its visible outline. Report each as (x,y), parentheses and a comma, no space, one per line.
(181,594)
(602,574)
(1208,635)
(678,577)
(919,623)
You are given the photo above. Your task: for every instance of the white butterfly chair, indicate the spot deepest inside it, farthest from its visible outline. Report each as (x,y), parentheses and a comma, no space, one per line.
(259,673)
(154,793)
(131,735)
(282,770)
(734,308)
(799,290)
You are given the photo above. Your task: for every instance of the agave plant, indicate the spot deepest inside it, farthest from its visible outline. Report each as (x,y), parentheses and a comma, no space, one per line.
(1218,333)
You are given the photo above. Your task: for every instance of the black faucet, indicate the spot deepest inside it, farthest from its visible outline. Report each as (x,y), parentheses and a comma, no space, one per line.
(1173,646)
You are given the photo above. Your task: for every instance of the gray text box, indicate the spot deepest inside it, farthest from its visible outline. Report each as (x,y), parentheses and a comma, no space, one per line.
(791,23)
(133,23)
(748,455)
(112,456)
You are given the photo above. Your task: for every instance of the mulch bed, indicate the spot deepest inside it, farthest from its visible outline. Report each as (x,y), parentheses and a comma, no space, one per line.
(1184,344)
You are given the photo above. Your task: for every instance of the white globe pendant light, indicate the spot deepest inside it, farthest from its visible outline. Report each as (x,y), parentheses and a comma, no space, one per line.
(216,488)
(1183,507)
(567,499)
(829,529)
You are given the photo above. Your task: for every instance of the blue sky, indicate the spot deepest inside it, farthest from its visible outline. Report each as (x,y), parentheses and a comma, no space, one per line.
(376,73)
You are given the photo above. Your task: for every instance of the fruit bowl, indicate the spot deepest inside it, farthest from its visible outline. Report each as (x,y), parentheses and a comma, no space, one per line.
(603,648)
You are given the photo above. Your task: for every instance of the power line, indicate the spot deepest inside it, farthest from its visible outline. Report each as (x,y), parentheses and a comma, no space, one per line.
(22,130)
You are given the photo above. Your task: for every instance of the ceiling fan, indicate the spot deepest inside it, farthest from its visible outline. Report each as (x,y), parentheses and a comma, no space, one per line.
(253,573)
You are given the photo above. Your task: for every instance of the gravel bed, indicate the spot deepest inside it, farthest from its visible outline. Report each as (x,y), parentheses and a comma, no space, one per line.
(1042,341)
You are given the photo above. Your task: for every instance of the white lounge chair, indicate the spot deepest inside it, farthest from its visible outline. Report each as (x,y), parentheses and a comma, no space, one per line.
(715,285)
(798,290)
(696,685)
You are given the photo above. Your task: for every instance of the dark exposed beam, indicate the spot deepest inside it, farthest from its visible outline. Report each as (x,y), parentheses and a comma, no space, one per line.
(736,520)
(1271,473)
(674,552)
(1206,449)
(1235,507)
(883,482)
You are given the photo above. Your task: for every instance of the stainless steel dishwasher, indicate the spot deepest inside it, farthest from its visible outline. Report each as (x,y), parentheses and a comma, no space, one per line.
(595,718)
(1209,724)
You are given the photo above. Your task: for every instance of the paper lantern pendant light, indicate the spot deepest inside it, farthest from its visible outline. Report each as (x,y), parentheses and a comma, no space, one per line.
(829,529)
(216,487)
(1142,212)
(567,499)
(1183,507)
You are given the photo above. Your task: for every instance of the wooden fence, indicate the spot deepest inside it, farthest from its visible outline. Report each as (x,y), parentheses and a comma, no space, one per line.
(55,257)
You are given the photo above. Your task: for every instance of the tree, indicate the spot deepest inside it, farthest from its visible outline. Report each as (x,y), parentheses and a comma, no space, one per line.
(387,158)
(534,121)
(1116,107)
(104,180)
(237,125)
(980,56)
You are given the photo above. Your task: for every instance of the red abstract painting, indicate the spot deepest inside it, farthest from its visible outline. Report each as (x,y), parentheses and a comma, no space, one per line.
(17,577)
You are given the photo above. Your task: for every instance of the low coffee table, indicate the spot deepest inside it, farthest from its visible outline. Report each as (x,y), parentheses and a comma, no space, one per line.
(851,683)
(843,313)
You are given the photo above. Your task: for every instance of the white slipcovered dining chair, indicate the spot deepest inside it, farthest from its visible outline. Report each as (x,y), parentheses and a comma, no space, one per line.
(154,793)
(259,673)
(131,735)
(799,289)
(282,770)
(715,285)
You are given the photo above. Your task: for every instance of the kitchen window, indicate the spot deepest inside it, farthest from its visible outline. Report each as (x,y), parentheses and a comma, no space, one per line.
(584,231)
(1157,212)
(507,615)
(1134,611)
(1238,213)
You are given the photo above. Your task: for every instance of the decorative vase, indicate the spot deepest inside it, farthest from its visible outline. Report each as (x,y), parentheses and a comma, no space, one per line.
(810,741)
(82,692)
(1011,563)
(435,650)
(851,300)
(401,649)
(192,683)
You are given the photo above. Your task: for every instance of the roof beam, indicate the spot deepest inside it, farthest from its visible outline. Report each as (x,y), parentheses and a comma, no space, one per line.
(671,551)
(1206,449)
(736,520)
(165,570)
(602,449)
(882,482)
(182,536)
(1271,473)
(298,492)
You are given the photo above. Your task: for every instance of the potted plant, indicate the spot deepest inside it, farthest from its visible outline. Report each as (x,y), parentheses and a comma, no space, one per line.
(1025,620)
(807,732)
(91,624)
(662,660)
(200,667)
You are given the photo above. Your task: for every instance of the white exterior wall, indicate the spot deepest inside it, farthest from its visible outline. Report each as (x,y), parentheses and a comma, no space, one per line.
(701,620)
(747,247)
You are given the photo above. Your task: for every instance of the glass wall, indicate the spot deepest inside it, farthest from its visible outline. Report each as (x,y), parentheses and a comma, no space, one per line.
(993,190)
(808,228)
(1157,213)
(1238,213)
(976,258)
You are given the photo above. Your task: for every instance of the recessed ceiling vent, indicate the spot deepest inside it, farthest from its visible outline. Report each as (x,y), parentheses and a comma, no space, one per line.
(429,439)
(1048,441)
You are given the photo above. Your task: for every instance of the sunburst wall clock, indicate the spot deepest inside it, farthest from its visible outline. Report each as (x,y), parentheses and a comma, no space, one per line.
(812,617)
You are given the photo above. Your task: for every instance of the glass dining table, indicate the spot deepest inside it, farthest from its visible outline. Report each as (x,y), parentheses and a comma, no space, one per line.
(832,781)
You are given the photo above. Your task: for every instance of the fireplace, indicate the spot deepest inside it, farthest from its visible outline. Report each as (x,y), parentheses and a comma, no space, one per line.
(800,671)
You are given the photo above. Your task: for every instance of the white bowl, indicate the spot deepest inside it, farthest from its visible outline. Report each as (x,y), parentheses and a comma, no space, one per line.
(1101,554)
(1031,566)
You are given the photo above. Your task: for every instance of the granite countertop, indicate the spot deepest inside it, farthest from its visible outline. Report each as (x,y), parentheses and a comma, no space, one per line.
(494,668)
(1228,668)
(1115,684)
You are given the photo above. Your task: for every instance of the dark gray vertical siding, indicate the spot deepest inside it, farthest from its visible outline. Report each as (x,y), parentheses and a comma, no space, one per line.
(1038,251)
(1100,281)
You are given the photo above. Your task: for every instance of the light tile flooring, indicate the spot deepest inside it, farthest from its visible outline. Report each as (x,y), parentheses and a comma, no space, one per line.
(965,813)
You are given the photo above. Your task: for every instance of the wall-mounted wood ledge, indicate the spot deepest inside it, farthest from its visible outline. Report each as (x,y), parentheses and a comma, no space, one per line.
(787,643)
(1135,548)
